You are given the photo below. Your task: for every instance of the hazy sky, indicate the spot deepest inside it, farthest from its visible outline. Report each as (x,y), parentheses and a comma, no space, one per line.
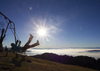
(70,23)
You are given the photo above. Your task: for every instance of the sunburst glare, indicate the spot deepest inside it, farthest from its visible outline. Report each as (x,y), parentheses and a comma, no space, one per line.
(42,32)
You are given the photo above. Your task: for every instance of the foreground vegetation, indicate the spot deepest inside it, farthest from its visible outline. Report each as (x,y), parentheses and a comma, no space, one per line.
(25,63)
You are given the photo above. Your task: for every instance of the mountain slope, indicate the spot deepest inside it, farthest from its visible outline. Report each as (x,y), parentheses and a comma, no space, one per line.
(26,63)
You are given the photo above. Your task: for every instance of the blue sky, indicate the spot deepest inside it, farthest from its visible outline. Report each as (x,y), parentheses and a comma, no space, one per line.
(71,23)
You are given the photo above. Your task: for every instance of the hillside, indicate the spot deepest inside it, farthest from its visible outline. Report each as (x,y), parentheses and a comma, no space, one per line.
(83,61)
(10,63)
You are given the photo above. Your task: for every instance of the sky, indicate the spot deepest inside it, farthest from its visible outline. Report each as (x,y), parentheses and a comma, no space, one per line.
(69,23)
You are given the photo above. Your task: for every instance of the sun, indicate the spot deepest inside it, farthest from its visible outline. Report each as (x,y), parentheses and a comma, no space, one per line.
(42,32)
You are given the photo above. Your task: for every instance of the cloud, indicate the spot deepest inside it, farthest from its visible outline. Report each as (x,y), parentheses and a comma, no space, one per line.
(53,29)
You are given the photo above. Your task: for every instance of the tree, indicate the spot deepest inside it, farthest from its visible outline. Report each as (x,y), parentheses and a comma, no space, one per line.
(2,35)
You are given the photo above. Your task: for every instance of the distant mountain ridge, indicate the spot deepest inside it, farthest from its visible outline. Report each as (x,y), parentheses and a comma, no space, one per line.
(83,61)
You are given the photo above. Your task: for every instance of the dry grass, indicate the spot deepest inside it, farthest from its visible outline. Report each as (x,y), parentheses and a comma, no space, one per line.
(10,63)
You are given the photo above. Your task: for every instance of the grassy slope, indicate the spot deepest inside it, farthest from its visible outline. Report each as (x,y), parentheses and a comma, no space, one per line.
(10,63)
